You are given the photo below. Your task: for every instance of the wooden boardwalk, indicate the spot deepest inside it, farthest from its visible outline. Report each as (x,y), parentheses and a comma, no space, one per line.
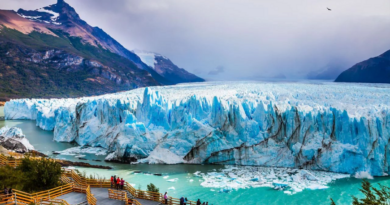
(74,198)
(101,194)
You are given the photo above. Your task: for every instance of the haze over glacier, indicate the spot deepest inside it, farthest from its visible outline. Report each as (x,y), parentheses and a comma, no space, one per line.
(326,126)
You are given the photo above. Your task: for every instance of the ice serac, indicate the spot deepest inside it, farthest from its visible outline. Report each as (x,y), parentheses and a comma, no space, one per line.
(13,139)
(328,126)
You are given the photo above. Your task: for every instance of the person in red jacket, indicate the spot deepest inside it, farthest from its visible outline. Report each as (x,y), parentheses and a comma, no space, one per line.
(118,182)
(112,181)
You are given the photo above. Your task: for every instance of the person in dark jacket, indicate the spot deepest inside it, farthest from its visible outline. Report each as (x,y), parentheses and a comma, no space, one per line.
(5,191)
(198,202)
(10,191)
(182,201)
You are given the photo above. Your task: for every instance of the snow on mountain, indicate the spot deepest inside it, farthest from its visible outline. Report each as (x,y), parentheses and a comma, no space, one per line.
(148,58)
(329,127)
(166,68)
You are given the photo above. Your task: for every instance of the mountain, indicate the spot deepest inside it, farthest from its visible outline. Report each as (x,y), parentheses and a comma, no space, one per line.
(164,66)
(373,70)
(52,52)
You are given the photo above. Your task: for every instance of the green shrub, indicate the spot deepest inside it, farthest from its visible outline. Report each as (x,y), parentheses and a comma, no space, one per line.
(40,174)
(151,187)
(372,195)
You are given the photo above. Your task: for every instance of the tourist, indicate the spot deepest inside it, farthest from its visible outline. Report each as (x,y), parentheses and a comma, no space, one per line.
(207,203)
(185,201)
(166,198)
(182,201)
(5,191)
(122,183)
(198,202)
(112,181)
(118,182)
(10,191)
(204,203)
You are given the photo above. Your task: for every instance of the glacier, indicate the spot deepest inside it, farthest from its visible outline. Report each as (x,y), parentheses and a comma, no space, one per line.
(333,127)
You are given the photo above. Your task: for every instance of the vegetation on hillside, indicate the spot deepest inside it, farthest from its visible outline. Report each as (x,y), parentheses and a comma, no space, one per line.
(21,77)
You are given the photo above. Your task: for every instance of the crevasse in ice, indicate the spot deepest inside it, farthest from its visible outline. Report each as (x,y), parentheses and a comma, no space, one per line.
(325,126)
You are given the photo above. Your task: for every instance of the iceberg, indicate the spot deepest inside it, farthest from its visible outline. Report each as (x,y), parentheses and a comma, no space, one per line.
(332,127)
(13,139)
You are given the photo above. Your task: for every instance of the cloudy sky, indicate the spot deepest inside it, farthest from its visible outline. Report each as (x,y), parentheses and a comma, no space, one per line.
(243,39)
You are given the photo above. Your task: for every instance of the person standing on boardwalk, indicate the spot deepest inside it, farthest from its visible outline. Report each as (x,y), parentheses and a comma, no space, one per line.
(182,201)
(198,202)
(185,201)
(114,184)
(118,182)
(166,198)
(112,181)
(5,191)
(122,183)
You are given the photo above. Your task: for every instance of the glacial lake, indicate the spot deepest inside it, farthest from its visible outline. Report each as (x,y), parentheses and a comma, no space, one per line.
(186,184)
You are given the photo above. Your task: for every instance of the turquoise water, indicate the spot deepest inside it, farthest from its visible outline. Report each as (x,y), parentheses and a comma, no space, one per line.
(340,190)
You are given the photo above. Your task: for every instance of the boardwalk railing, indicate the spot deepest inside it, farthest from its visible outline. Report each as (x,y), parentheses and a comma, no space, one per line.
(76,183)
(148,195)
(90,198)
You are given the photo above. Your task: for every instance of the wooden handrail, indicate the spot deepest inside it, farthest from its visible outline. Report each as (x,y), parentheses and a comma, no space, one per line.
(80,184)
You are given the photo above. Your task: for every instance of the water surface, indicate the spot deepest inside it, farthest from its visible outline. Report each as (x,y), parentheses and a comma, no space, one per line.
(340,190)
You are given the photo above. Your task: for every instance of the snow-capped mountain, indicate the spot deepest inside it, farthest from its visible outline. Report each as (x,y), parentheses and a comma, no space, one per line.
(164,66)
(54,45)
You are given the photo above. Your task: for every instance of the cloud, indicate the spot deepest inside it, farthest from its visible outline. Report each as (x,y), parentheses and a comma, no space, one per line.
(252,37)
(217,70)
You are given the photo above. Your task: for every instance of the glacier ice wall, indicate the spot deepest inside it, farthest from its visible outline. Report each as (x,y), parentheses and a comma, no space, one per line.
(326,126)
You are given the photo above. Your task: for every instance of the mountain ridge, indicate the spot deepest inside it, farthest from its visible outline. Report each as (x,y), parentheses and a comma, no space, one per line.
(59,30)
(372,70)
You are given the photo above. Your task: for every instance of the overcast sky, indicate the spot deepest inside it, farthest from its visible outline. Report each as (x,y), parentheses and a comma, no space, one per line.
(242,39)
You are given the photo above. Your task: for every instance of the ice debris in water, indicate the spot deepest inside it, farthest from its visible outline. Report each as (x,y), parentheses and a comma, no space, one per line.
(289,180)
(363,175)
(83,150)
(173,180)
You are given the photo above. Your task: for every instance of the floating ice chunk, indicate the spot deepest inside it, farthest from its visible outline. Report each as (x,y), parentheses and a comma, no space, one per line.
(191,180)
(173,180)
(83,150)
(363,175)
(166,177)
(14,139)
(171,188)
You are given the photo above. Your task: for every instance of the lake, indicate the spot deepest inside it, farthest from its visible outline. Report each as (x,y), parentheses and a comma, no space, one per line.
(186,183)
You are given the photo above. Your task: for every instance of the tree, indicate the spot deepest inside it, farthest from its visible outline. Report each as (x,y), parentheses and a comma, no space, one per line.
(40,174)
(11,178)
(151,187)
(372,195)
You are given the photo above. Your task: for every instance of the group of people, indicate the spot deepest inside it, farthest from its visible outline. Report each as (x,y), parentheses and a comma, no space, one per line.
(117,183)
(184,200)
(200,203)
(7,191)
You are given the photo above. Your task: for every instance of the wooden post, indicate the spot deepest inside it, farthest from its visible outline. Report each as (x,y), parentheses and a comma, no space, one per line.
(16,201)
